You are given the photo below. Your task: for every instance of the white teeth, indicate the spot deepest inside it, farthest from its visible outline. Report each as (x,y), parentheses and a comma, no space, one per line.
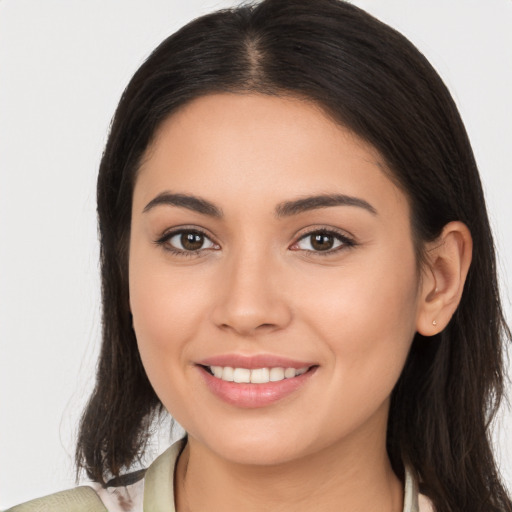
(276,374)
(227,373)
(257,375)
(289,373)
(260,375)
(242,375)
(217,371)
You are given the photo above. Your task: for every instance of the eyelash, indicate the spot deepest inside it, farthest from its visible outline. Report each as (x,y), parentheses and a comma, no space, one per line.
(346,242)
(164,239)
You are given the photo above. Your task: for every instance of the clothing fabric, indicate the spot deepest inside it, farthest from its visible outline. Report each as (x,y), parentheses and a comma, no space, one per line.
(153,491)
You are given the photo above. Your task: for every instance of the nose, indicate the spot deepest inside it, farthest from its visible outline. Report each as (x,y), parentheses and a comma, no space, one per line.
(251,296)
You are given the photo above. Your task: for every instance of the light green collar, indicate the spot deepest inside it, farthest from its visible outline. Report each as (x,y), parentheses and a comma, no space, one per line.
(159,480)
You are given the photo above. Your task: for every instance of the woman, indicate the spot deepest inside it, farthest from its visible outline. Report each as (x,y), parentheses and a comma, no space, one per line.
(298,266)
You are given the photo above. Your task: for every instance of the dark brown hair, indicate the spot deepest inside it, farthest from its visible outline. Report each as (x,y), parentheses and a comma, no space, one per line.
(371,79)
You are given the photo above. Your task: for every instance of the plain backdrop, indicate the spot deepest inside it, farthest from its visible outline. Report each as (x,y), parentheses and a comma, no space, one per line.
(63,66)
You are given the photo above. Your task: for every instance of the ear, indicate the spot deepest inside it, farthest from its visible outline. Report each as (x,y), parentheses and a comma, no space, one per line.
(443,277)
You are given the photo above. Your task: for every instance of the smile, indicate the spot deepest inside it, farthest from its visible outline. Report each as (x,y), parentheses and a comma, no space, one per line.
(257,386)
(255,375)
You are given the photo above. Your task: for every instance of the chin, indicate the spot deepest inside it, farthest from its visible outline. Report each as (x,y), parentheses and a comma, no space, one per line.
(258,454)
(261,448)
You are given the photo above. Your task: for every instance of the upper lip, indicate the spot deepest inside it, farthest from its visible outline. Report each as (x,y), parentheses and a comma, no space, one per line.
(254,361)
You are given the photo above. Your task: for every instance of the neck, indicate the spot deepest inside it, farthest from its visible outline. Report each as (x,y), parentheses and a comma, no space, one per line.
(355,476)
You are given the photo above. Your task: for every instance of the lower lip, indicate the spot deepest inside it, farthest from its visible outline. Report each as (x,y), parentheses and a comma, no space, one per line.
(246,395)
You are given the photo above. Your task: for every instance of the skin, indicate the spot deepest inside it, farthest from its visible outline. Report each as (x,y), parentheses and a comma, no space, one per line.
(259,287)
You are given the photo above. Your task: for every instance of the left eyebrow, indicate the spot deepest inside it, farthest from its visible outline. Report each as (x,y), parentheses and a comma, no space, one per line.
(190,202)
(305,204)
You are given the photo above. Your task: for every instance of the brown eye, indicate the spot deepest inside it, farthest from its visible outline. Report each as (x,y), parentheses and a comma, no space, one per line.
(189,241)
(323,241)
(192,241)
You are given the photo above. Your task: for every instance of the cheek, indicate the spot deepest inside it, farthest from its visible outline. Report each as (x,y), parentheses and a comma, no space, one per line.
(161,311)
(367,295)
(367,318)
(166,308)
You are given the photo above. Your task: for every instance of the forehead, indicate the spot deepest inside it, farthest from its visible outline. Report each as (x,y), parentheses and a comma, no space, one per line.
(260,148)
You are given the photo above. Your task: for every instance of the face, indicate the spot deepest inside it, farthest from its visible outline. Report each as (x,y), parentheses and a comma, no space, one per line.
(269,246)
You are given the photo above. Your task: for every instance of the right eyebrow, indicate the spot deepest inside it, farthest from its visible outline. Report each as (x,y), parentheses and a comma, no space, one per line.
(308,203)
(196,204)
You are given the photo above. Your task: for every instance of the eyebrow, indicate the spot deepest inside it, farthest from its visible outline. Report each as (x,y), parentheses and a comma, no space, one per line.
(284,209)
(193,203)
(305,204)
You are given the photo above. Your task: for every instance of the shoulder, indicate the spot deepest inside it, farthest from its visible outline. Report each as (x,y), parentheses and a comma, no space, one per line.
(124,494)
(80,499)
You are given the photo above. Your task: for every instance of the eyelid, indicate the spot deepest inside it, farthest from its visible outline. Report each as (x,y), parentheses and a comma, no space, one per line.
(168,233)
(172,232)
(347,240)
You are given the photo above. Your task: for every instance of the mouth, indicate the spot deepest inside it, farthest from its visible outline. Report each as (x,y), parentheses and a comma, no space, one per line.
(255,375)
(258,382)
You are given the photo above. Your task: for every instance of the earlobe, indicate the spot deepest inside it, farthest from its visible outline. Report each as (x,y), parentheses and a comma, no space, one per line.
(447,263)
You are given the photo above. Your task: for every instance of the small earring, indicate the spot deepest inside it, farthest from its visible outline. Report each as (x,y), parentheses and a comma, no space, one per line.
(434,323)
